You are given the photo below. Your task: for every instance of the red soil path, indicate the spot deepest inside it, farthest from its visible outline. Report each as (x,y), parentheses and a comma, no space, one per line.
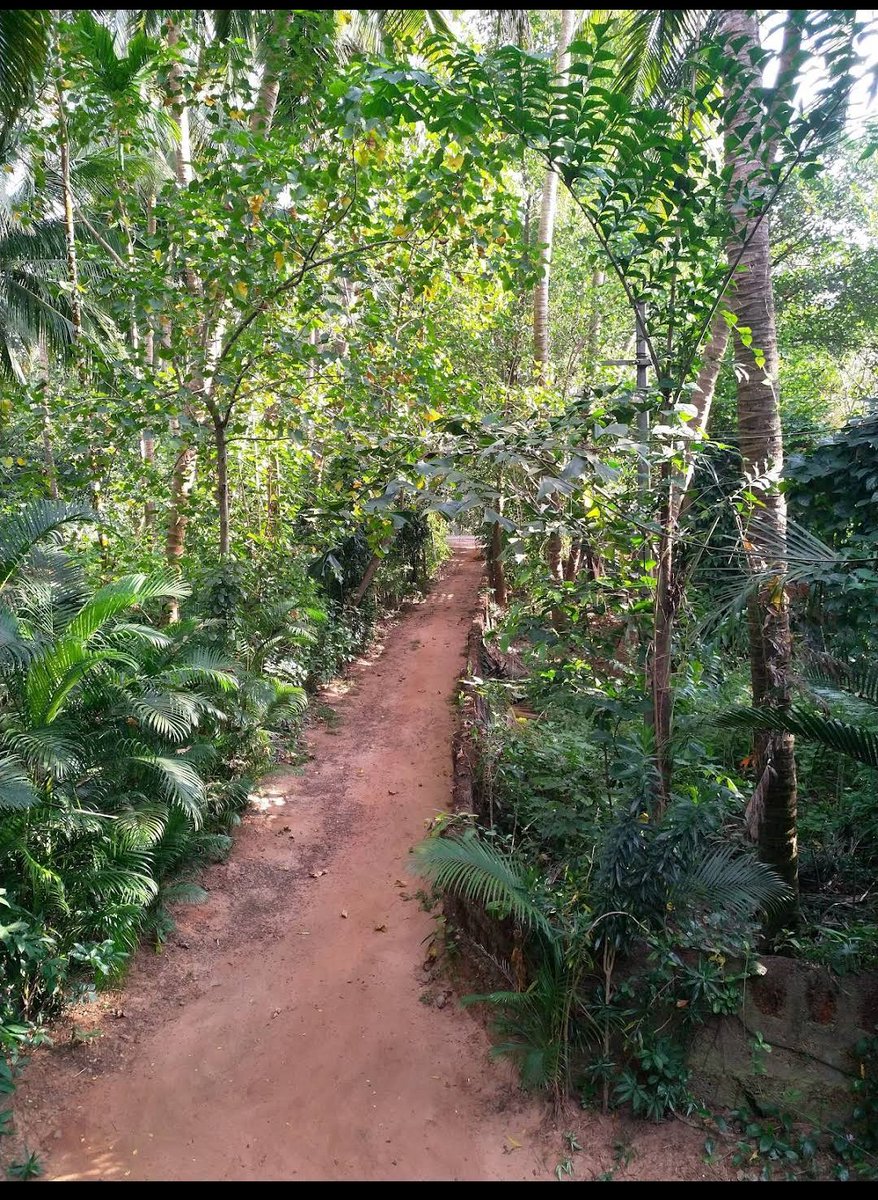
(290,1031)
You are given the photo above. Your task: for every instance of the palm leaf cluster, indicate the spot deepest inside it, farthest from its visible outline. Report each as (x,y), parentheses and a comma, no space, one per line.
(111,781)
(834,680)
(642,877)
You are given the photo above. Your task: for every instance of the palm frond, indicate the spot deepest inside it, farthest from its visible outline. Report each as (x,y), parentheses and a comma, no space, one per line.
(856,741)
(16,789)
(129,630)
(45,751)
(15,650)
(179,783)
(858,678)
(727,881)
(183,891)
(655,44)
(38,520)
(200,665)
(171,716)
(24,45)
(121,595)
(473,870)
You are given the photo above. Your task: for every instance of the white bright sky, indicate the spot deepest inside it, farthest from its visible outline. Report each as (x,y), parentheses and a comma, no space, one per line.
(863,107)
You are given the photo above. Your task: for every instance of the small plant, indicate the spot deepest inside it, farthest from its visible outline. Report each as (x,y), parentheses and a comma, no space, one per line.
(30,1167)
(657,1083)
(81,1037)
(759,1048)
(564,1169)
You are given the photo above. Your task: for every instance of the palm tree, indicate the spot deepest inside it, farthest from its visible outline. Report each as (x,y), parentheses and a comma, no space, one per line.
(550,1014)
(761,443)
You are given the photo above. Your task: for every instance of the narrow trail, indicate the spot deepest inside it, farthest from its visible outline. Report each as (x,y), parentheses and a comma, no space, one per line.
(276,1037)
(290,1029)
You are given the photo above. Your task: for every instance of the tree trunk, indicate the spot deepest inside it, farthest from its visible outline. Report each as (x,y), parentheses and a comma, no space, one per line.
(183,145)
(667,602)
(370,572)
(147,455)
(147,438)
(222,487)
(149,332)
(49,467)
(554,549)
(702,398)
(548,209)
(262,117)
(69,226)
(668,584)
(75,300)
(598,278)
(182,483)
(761,442)
(185,466)
(272,496)
(498,580)
(573,561)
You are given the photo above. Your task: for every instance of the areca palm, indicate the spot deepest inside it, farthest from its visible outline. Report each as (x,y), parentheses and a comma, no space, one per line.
(99,718)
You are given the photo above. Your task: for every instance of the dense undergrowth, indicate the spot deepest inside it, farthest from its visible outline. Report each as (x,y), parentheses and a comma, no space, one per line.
(628,923)
(280,288)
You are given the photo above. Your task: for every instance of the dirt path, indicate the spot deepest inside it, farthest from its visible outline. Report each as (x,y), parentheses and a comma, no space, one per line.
(289,1030)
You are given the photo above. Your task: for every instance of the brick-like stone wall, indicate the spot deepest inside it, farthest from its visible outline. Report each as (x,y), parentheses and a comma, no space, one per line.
(811,1019)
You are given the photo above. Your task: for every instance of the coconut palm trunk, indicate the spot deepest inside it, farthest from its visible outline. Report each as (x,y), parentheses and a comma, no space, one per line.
(751,299)
(262,116)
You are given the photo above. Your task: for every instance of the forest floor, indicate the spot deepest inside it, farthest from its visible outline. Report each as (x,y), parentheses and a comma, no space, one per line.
(295,1026)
